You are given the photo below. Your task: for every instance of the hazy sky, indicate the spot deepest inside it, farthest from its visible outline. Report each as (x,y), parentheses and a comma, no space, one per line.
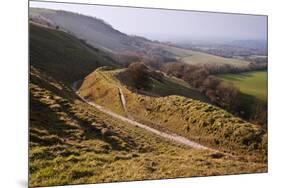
(171,25)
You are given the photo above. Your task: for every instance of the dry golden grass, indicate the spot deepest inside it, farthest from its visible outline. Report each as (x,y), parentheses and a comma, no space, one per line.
(72,143)
(201,122)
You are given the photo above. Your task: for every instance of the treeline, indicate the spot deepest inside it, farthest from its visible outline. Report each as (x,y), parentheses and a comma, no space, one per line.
(152,57)
(203,78)
(220,93)
(200,77)
(227,68)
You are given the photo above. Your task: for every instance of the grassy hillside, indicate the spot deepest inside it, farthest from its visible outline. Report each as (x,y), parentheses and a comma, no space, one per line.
(251,83)
(170,86)
(63,56)
(193,119)
(95,31)
(160,86)
(102,35)
(103,79)
(71,142)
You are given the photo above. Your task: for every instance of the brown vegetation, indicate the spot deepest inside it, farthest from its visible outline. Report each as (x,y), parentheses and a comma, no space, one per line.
(220,93)
(139,73)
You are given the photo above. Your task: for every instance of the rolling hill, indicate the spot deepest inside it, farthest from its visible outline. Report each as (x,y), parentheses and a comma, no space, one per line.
(182,115)
(71,142)
(95,31)
(103,36)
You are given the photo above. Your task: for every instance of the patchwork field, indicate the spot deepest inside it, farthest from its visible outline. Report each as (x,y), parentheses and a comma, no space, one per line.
(251,83)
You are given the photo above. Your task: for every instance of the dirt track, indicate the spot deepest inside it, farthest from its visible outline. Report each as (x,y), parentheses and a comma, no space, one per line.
(169,136)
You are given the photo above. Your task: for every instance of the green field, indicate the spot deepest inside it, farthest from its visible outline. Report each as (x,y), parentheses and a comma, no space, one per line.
(174,86)
(196,58)
(252,83)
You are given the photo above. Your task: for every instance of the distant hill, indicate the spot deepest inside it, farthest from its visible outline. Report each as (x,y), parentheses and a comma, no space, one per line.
(95,31)
(252,44)
(100,34)
(200,58)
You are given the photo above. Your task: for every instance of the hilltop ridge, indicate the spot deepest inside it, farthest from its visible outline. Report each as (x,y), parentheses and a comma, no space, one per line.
(185,116)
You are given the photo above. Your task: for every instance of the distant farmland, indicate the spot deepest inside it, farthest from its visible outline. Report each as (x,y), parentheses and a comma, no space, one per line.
(196,58)
(252,83)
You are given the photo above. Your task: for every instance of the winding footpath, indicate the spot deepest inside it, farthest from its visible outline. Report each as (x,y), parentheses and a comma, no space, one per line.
(170,136)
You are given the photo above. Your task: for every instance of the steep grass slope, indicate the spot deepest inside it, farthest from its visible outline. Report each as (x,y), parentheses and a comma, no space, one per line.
(71,142)
(63,56)
(193,119)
